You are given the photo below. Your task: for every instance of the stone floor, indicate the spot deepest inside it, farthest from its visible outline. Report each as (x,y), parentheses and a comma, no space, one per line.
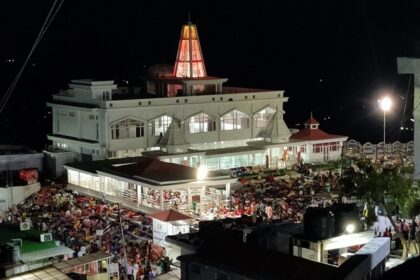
(174,274)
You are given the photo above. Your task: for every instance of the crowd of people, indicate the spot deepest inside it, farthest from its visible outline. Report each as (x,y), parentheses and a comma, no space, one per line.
(88,225)
(285,198)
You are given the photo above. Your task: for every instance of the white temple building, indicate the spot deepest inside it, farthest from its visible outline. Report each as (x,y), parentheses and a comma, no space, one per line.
(182,116)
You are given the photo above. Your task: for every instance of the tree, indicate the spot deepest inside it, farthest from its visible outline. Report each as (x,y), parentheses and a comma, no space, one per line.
(382,184)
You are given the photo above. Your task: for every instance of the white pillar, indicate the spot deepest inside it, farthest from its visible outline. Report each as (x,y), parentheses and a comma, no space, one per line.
(161,200)
(412,66)
(139,195)
(227,188)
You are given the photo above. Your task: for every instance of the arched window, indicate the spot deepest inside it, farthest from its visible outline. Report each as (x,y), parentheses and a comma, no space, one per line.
(127,128)
(199,123)
(234,120)
(159,125)
(263,117)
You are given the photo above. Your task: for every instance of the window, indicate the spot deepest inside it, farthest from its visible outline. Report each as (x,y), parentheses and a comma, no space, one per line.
(234,120)
(62,145)
(334,146)
(91,117)
(226,162)
(317,148)
(199,123)
(212,163)
(263,117)
(72,114)
(127,128)
(63,113)
(159,125)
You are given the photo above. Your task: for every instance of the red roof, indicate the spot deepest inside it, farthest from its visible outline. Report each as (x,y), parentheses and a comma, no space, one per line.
(313,134)
(169,216)
(311,120)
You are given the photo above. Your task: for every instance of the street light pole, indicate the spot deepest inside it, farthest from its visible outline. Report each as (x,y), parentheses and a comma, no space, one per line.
(384,133)
(385,104)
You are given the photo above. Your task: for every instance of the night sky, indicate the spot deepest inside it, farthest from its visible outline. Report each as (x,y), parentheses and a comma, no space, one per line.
(333,58)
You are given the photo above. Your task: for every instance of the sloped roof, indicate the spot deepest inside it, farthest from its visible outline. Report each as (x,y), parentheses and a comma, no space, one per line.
(173,136)
(153,170)
(309,133)
(311,120)
(169,216)
(276,128)
(314,134)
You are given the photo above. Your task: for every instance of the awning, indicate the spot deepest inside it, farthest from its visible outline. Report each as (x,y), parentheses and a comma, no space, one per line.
(49,272)
(82,260)
(47,253)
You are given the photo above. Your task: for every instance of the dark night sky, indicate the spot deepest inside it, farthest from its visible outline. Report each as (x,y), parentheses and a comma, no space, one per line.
(331,57)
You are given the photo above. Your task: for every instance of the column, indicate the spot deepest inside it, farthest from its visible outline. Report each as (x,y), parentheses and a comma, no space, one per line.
(139,195)
(79,114)
(203,200)
(228,196)
(189,199)
(408,65)
(161,200)
(227,188)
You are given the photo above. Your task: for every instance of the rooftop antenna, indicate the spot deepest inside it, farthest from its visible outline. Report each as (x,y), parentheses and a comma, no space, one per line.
(189,17)
(311,115)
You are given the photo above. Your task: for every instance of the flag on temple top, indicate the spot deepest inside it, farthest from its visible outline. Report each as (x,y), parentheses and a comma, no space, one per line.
(365,210)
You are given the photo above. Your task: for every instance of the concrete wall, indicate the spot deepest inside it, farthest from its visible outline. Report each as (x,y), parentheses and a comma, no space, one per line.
(54,162)
(21,161)
(16,194)
(79,123)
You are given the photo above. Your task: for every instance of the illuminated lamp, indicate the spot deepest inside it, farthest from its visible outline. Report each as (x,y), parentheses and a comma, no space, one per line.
(350,228)
(347,218)
(202,172)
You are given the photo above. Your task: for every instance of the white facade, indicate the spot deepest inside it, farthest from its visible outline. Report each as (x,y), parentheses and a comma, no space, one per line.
(161,229)
(212,126)
(215,125)
(90,130)
(186,196)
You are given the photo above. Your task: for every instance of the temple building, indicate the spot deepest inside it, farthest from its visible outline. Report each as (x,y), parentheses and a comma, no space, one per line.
(181,115)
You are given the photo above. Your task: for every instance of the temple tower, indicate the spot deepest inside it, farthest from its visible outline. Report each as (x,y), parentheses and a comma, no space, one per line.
(189,60)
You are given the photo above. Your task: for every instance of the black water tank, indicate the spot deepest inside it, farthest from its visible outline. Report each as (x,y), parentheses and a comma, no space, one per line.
(346,214)
(318,223)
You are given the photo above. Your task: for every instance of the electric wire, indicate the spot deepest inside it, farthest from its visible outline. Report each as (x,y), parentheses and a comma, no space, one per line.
(404,118)
(47,22)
